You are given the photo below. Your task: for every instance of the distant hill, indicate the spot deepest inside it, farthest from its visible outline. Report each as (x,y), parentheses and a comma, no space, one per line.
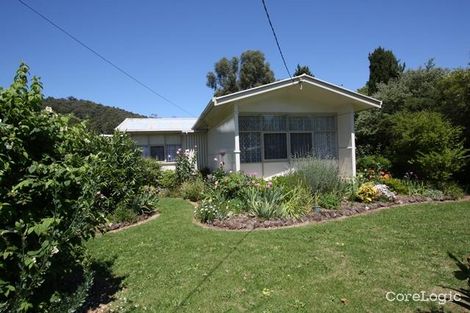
(101,118)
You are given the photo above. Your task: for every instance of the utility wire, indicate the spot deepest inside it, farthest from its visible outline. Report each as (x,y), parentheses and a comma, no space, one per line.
(275,37)
(120,69)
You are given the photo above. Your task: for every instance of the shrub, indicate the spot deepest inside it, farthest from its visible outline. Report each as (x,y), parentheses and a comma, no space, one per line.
(322,176)
(168,179)
(434,194)
(373,165)
(232,185)
(330,201)
(367,193)
(265,202)
(193,190)
(428,142)
(185,165)
(207,211)
(152,172)
(395,185)
(453,191)
(58,182)
(298,201)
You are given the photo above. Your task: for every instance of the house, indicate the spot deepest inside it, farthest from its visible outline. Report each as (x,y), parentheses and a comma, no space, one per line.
(259,130)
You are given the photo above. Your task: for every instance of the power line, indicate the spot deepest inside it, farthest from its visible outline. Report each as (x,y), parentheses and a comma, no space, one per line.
(120,69)
(275,37)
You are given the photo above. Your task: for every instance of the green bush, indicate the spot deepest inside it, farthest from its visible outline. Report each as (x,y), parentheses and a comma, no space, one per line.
(330,201)
(152,172)
(427,143)
(58,182)
(322,176)
(374,164)
(433,194)
(168,179)
(193,190)
(453,191)
(396,185)
(298,201)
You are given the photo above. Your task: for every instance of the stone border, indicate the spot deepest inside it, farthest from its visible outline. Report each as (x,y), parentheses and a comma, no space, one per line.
(348,209)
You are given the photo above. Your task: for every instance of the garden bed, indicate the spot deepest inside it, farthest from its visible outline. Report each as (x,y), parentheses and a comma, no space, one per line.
(250,222)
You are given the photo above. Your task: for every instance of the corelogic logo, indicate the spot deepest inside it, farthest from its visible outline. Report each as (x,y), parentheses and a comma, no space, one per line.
(423,296)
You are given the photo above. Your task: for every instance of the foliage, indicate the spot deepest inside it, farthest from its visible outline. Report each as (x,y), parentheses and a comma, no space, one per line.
(152,172)
(383,66)
(453,191)
(433,194)
(207,211)
(193,190)
(185,165)
(377,163)
(330,201)
(250,70)
(429,143)
(265,202)
(233,184)
(58,182)
(168,179)
(298,201)
(321,175)
(395,185)
(101,119)
(367,193)
(304,69)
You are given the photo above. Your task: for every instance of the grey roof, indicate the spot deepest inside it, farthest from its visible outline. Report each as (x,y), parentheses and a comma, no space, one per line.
(162,124)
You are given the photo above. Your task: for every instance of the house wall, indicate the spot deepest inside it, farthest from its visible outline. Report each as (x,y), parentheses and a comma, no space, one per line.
(293,104)
(221,144)
(196,140)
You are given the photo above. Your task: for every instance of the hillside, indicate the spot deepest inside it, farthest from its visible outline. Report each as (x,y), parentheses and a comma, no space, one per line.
(101,118)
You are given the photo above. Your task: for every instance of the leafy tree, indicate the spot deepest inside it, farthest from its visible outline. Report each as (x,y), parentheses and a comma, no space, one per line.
(383,66)
(304,69)
(250,70)
(101,119)
(426,143)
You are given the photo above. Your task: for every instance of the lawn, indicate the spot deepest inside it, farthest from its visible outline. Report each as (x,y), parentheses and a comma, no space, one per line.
(172,265)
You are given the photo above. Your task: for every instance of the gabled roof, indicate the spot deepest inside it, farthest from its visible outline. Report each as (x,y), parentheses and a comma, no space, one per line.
(166,124)
(304,78)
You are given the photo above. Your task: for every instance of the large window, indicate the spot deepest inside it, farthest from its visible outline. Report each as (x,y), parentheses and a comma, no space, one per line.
(277,137)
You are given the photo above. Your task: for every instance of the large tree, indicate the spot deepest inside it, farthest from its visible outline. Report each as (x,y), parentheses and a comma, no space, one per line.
(248,71)
(383,66)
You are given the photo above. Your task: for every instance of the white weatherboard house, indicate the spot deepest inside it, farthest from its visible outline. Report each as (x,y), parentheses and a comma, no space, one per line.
(259,130)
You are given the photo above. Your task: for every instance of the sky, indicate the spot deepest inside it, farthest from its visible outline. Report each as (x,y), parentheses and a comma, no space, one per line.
(171,45)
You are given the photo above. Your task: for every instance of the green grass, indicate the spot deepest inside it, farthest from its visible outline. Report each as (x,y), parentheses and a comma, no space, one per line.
(171,265)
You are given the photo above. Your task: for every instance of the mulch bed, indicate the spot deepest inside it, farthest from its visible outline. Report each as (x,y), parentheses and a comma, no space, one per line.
(248,222)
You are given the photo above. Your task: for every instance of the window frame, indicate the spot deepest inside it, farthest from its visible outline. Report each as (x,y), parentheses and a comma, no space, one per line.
(288,132)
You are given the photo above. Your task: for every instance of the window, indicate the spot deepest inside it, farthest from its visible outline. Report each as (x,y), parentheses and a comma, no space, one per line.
(300,144)
(157,152)
(308,134)
(171,152)
(250,146)
(275,146)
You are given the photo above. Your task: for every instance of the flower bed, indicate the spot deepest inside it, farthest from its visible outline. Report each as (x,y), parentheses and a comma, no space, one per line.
(348,208)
